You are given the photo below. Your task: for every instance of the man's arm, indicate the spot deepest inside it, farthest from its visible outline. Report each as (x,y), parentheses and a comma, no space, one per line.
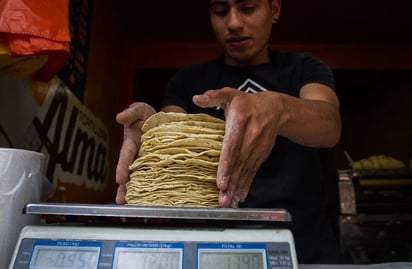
(313,119)
(132,119)
(253,122)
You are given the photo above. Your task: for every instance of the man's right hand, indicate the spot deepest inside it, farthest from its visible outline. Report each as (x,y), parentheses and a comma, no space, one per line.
(132,119)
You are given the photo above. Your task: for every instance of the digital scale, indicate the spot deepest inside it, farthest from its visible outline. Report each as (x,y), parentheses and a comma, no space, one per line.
(191,244)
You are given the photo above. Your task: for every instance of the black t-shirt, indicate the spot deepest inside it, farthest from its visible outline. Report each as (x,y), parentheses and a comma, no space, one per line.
(291,177)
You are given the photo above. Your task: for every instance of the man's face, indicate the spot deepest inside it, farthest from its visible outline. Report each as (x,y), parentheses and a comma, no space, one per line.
(243,28)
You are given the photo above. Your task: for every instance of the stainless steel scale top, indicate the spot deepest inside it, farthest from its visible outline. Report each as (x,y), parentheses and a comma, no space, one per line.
(111,210)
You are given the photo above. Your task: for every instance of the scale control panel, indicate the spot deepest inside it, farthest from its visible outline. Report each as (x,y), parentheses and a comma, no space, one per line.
(69,247)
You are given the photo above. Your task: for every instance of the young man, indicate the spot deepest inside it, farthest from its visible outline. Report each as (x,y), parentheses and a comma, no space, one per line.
(278,107)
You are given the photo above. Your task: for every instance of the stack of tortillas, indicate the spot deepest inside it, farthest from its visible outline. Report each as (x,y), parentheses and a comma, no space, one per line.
(177,162)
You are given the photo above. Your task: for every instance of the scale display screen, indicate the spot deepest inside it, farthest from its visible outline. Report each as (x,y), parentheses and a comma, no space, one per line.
(228,256)
(148,255)
(84,247)
(51,254)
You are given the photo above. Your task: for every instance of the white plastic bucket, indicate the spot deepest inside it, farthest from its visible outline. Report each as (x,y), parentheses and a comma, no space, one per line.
(21,182)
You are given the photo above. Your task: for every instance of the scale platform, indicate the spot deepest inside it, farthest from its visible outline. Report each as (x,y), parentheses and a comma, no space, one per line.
(177,247)
(186,213)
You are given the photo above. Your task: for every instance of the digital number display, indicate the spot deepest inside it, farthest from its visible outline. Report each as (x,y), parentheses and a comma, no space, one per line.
(68,257)
(168,256)
(220,260)
(231,257)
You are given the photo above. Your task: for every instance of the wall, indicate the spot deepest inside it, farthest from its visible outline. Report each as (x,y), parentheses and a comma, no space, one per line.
(104,95)
(376,112)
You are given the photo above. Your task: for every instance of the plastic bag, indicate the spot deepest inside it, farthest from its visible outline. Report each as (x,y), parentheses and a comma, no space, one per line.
(37,27)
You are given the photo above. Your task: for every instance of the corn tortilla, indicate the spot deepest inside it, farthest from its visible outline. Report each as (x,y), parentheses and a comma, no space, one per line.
(177,161)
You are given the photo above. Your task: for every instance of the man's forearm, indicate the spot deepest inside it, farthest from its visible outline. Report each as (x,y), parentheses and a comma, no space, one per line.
(312,123)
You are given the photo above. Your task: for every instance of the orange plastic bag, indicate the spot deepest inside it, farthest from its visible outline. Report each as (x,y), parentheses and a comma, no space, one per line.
(33,27)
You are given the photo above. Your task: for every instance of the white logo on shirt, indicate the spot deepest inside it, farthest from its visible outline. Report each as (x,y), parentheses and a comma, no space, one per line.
(250,86)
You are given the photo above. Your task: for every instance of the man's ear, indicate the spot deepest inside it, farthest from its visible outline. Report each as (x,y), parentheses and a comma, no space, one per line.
(276,7)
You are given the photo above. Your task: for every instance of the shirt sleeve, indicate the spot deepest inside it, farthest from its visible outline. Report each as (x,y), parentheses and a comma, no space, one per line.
(317,71)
